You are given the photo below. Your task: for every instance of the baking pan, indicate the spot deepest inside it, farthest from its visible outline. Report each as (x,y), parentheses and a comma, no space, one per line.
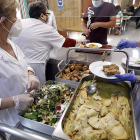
(34,125)
(58,132)
(69,81)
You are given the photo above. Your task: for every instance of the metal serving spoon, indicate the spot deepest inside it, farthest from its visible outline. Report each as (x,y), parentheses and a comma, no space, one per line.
(91,89)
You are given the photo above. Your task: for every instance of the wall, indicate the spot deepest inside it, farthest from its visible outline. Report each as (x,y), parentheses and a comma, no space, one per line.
(69,15)
(137,3)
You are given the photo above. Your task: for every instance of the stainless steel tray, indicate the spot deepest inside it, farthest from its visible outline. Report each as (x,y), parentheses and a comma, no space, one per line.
(37,125)
(58,132)
(69,81)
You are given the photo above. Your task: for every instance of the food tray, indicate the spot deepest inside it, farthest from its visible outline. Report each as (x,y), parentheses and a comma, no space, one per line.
(69,81)
(34,125)
(58,133)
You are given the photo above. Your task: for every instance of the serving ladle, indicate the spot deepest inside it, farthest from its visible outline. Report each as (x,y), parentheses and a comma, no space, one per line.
(91,89)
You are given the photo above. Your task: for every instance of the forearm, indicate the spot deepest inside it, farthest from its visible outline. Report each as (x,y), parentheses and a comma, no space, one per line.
(7,103)
(84,25)
(30,72)
(138,43)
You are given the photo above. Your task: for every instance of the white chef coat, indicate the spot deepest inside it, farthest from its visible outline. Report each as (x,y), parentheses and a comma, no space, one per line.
(52,22)
(13,81)
(36,40)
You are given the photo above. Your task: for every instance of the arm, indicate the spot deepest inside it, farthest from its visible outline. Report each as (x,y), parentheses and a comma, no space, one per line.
(54,21)
(6,103)
(138,43)
(84,26)
(109,24)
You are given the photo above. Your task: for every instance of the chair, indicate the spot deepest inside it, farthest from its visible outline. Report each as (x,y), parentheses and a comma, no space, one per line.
(121,25)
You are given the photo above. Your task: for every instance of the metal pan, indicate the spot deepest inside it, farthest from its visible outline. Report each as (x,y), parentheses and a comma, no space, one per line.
(34,125)
(69,81)
(58,133)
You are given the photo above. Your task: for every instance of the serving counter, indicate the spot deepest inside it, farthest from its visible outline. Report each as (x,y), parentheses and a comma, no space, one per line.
(52,70)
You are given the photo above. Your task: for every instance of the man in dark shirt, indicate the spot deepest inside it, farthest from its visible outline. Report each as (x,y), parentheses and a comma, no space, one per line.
(97,19)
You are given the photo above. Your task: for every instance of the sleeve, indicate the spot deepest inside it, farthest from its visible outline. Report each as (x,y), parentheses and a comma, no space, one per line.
(54,21)
(56,40)
(85,17)
(113,11)
(0,101)
(69,43)
(30,69)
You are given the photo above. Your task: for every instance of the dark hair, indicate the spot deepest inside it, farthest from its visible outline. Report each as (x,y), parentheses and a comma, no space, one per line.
(127,5)
(36,9)
(118,8)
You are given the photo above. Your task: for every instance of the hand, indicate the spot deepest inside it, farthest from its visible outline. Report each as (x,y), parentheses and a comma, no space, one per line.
(33,82)
(126,77)
(87,32)
(126,44)
(23,101)
(95,25)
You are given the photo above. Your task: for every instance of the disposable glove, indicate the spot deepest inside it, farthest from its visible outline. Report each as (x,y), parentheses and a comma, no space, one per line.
(126,77)
(22,101)
(126,44)
(33,82)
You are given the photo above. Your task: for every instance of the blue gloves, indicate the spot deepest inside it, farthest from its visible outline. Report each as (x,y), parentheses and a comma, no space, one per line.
(126,77)
(126,44)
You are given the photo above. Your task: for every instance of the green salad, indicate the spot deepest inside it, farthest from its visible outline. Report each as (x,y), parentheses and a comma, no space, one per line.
(50,104)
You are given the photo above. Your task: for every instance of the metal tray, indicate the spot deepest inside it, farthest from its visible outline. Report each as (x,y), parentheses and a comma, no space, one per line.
(69,81)
(37,125)
(58,133)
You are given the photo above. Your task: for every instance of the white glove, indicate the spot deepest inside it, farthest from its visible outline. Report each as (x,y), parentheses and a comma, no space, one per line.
(23,101)
(80,39)
(33,82)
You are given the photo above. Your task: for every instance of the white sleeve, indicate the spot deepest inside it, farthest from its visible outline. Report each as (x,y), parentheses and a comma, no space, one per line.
(54,21)
(56,40)
(0,101)
(30,69)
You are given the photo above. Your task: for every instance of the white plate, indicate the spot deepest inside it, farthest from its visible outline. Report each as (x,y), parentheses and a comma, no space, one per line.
(97,69)
(99,45)
(132,61)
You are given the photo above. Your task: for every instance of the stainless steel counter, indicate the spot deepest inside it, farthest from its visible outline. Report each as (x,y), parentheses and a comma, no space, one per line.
(52,67)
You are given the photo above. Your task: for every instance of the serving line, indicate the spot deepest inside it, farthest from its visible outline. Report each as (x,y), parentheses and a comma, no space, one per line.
(92,49)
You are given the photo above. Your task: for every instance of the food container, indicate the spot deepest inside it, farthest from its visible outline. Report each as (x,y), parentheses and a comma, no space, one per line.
(69,81)
(58,133)
(34,125)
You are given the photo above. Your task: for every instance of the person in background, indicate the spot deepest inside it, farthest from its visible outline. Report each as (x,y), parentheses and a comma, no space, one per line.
(15,75)
(97,19)
(131,9)
(119,15)
(127,8)
(137,15)
(51,17)
(37,38)
(52,22)
(135,79)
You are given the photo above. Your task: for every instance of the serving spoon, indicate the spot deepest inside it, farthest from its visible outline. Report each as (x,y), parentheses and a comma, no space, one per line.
(91,89)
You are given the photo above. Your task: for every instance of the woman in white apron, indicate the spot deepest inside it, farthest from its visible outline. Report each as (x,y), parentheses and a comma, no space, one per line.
(15,75)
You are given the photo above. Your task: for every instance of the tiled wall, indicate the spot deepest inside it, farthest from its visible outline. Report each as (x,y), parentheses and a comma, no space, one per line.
(69,15)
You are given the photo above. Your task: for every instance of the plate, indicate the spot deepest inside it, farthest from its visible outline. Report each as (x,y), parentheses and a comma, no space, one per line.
(132,61)
(97,69)
(99,45)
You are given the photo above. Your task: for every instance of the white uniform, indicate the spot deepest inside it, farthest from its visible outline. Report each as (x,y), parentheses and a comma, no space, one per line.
(52,22)
(13,81)
(35,41)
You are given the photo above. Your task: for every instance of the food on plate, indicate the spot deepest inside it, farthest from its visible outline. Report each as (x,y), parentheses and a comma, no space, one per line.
(49,105)
(104,115)
(111,69)
(74,72)
(138,62)
(82,46)
(93,46)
